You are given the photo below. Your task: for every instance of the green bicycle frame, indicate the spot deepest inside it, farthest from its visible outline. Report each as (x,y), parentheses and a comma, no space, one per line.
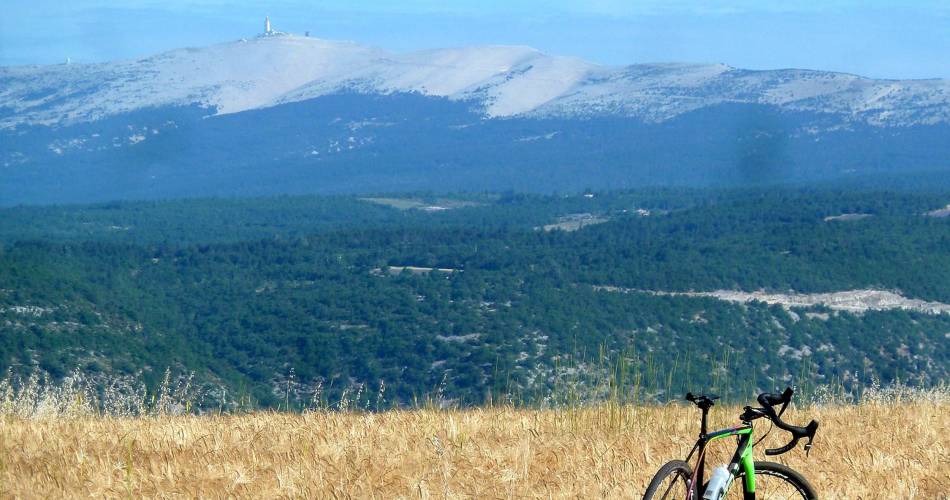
(742,457)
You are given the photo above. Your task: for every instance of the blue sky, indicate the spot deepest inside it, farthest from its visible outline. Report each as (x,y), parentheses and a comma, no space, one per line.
(884,39)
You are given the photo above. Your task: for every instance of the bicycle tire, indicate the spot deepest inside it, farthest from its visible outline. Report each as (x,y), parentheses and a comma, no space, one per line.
(678,471)
(773,480)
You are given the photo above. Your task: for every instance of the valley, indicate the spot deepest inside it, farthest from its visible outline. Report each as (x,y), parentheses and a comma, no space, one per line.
(313,298)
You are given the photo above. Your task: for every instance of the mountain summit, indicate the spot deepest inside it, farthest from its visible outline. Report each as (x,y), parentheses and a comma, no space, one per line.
(504,81)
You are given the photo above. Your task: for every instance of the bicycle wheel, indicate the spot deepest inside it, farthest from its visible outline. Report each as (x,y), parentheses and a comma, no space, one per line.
(773,481)
(671,481)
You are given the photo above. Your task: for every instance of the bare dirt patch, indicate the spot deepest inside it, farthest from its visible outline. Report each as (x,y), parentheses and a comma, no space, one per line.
(394,270)
(940,212)
(846,217)
(573,222)
(855,301)
(420,204)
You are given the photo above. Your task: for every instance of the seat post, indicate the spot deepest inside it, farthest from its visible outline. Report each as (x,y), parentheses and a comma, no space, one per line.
(704,405)
(702,429)
(704,402)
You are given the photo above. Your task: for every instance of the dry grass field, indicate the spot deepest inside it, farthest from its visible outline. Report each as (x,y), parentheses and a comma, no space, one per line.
(872,450)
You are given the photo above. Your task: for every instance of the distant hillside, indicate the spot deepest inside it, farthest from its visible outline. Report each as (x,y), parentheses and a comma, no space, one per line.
(470,298)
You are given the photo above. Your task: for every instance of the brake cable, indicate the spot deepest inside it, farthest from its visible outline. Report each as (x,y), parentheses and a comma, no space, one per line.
(771,426)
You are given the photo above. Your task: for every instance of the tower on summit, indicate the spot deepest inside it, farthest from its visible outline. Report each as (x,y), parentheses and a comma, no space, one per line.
(269,30)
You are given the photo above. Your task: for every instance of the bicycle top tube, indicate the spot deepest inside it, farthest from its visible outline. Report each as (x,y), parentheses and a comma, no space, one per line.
(732,431)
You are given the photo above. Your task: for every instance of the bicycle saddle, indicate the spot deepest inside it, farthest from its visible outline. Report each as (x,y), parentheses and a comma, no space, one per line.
(702,400)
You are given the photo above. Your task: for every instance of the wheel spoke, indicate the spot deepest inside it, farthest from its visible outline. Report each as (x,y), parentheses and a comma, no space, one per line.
(671,481)
(672,484)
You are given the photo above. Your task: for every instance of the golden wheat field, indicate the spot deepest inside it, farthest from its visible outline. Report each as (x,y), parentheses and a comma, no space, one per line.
(872,450)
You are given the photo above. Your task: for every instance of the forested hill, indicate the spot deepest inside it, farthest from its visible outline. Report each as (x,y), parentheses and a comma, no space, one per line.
(480,296)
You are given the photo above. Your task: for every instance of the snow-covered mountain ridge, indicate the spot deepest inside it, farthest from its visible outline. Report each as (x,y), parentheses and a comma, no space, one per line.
(504,81)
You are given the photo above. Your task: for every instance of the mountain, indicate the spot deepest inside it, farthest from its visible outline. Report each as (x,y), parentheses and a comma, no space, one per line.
(276,114)
(505,81)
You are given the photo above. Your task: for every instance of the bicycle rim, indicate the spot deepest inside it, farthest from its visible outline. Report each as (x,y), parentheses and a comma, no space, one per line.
(671,482)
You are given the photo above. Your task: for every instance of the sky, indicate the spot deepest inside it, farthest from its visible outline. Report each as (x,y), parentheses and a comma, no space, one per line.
(875,38)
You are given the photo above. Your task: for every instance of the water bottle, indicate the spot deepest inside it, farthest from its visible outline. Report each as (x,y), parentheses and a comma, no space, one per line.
(716,487)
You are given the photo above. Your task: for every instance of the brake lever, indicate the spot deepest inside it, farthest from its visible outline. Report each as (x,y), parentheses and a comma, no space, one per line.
(808,446)
(811,429)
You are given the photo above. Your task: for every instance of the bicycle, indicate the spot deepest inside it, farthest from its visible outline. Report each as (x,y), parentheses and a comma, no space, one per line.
(759,479)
